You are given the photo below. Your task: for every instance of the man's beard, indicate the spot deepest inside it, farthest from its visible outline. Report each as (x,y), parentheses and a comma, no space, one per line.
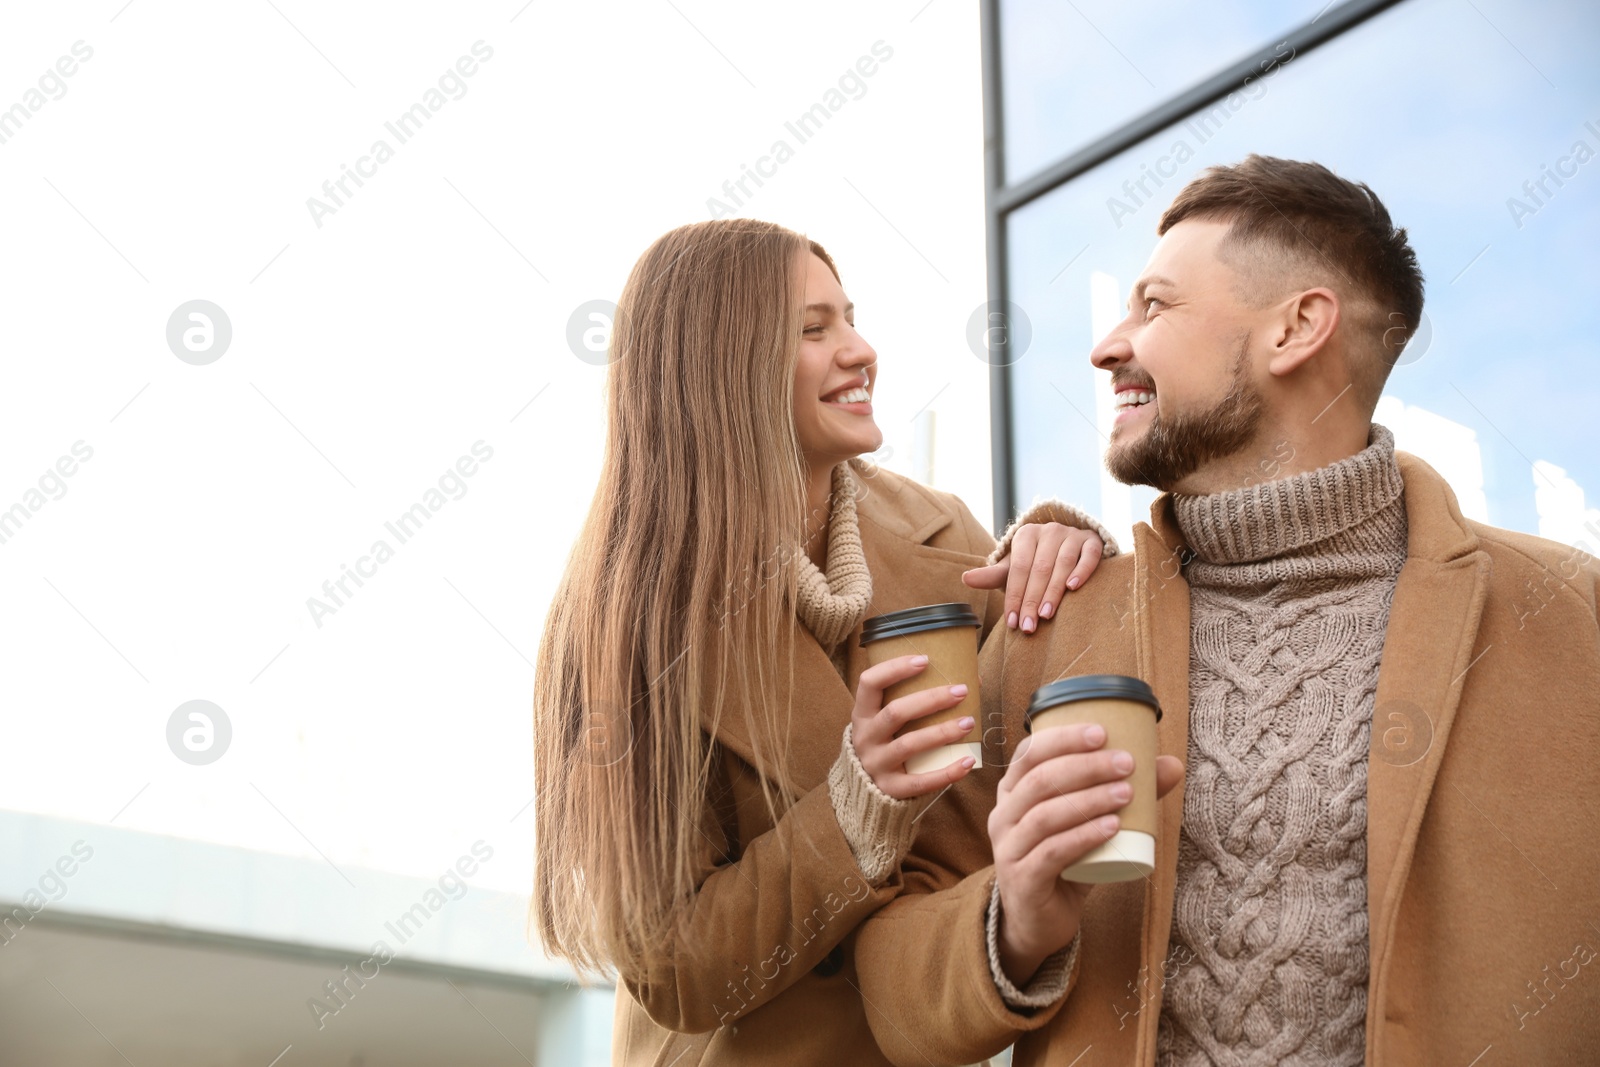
(1172,449)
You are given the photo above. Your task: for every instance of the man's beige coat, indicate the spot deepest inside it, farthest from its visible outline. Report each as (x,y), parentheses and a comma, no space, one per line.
(1483,818)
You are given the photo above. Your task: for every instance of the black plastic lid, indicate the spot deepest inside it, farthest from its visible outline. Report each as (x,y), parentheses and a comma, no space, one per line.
(916,620)
(1090,687)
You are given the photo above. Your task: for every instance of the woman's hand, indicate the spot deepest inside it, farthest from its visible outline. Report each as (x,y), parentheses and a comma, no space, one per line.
(873,725)
(1045,561)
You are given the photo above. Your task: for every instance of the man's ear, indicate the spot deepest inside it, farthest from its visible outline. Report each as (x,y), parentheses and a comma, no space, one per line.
(1307,321)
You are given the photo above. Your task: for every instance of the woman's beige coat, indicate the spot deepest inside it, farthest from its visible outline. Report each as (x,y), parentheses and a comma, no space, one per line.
(763,971)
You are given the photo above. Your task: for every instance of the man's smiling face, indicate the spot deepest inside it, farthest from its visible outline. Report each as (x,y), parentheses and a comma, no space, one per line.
(1181,364)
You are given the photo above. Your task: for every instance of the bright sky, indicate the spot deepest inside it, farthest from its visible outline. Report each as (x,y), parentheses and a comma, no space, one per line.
(406,343)
(420,325)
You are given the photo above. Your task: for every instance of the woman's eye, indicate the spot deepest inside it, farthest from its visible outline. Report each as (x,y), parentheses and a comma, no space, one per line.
(814,329)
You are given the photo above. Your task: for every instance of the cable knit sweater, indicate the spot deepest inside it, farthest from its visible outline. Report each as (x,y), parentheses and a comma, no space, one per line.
(1291,583)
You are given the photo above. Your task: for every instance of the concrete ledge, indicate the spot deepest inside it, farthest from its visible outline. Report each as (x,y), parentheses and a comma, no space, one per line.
(147,885)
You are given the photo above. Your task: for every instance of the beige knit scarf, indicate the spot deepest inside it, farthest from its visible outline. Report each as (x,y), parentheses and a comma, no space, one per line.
(831,603)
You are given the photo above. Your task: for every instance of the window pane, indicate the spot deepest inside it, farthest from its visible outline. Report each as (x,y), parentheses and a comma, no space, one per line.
(1454,120)
(1073,72)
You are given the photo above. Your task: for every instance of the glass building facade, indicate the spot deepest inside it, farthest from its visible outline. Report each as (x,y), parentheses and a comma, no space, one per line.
(1477,123)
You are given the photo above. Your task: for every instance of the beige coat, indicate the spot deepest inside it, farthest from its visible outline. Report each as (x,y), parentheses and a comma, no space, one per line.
(1483,818)
(764,972)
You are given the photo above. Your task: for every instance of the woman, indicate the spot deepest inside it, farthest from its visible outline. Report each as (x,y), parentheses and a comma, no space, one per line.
(716,811)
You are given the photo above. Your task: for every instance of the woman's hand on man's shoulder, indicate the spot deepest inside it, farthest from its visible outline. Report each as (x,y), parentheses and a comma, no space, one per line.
(1045,561)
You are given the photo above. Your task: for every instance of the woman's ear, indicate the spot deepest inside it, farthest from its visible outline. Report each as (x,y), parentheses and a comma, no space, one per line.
(1308,320)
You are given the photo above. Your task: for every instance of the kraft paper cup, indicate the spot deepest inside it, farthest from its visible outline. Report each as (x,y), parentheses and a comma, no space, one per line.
(948,635)
(1127,709)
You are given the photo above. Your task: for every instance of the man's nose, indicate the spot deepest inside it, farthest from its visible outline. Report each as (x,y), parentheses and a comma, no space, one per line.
(1113,350)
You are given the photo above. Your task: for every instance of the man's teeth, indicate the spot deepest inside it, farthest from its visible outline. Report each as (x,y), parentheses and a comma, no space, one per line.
(1131,398)
(858,395)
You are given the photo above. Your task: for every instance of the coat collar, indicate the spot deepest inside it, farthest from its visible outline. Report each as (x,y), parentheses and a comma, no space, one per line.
(897,506)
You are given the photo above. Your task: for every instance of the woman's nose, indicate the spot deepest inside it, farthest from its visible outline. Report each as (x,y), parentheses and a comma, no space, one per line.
(858,353)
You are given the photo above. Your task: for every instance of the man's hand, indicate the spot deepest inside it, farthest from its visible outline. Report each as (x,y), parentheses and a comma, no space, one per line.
(1054,806)
(1045,561)
(873,725)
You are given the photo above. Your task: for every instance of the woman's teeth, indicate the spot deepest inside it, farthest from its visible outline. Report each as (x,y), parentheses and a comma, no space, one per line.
(857,395)
(1131,398)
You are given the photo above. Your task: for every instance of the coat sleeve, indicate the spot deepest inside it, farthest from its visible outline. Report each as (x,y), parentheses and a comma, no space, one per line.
(761,920)
(924,960)
(923,964)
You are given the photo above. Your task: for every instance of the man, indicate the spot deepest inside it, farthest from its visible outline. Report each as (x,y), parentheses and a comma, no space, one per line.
(1388,716)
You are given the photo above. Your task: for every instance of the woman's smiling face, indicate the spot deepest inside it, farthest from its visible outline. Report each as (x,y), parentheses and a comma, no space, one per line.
(835,375)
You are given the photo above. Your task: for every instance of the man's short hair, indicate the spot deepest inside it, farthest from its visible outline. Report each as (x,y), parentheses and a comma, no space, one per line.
(1296,224)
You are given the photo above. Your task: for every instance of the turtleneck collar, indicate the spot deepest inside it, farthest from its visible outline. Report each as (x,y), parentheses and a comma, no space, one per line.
(832,602)
(1343,520)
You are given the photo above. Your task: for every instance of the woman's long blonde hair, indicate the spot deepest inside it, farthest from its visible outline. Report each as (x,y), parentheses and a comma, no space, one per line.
(678,599)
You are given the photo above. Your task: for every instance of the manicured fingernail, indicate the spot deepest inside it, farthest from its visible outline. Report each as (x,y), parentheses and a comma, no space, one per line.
(1044,612)
(1028,625)
(967,762)
(1095,735)
(1073,582)
(919,661)
(1011,620)
(1123,762)
(958,690)
(965,723)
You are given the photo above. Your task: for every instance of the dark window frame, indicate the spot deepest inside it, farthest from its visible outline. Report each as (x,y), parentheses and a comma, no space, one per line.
(1001,198)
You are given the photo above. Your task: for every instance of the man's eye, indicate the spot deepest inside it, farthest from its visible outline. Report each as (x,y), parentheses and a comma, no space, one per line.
(1150,304)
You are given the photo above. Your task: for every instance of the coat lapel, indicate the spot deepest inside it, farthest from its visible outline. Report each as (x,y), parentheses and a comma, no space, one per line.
(819,705)
(1428,652)
(1162,637)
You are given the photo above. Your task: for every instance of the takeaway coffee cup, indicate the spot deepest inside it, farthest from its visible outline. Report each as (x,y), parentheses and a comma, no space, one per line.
(1127,709)
(948,635)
